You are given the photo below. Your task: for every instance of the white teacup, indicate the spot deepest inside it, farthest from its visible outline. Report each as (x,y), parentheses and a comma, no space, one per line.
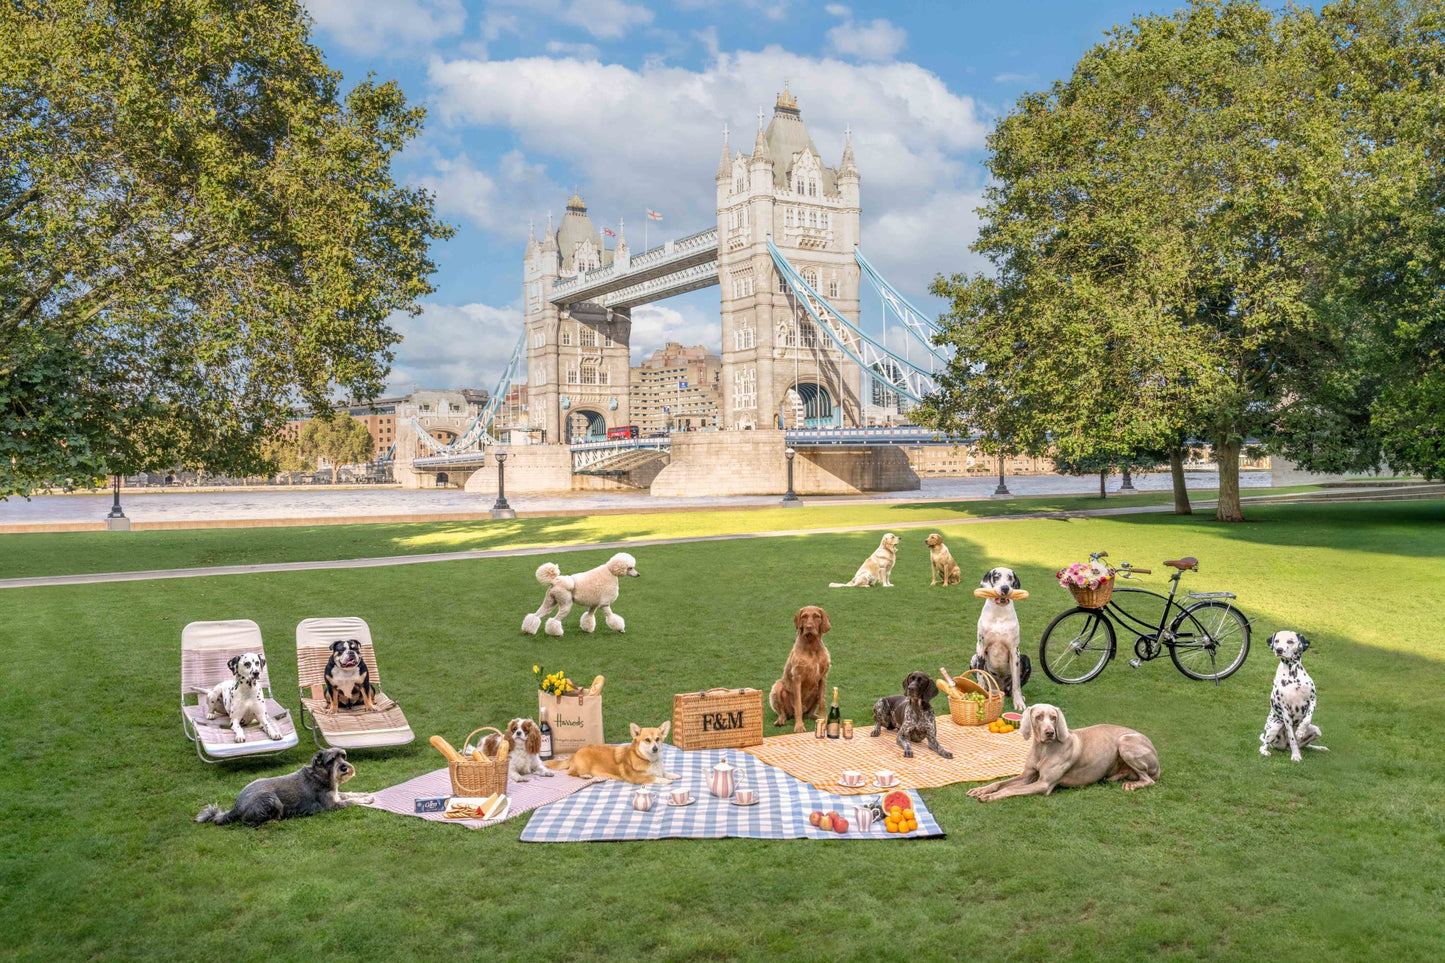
(681,797)
(851,777)
(885,778)
(744,797)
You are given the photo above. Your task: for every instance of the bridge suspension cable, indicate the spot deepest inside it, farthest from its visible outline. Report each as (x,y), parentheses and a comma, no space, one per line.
(900,372)
(477,432)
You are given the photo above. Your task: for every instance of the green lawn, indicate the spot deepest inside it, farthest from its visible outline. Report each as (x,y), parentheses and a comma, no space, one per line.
(1229,856)
(75,552)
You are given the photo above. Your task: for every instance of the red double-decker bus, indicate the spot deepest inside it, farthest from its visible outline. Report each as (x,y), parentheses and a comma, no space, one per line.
(626,431)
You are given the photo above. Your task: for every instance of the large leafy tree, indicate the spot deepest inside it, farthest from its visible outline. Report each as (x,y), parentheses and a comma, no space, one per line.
(1165,231)
(198,230)
(338,439)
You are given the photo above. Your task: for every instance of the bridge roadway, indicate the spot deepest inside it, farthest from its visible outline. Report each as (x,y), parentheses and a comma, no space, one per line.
(595,457)
(677,266)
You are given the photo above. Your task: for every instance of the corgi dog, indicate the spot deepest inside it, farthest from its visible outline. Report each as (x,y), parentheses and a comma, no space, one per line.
(639,763)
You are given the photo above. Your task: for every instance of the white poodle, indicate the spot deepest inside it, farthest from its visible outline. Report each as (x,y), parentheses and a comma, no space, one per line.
(596,589)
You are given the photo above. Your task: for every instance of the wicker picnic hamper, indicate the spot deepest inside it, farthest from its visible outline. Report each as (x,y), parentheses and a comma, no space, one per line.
(472,778)
(966,712)
(717,719)
(1093,598)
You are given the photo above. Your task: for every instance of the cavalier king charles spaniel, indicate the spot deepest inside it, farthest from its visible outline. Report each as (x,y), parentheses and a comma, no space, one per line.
(525,759)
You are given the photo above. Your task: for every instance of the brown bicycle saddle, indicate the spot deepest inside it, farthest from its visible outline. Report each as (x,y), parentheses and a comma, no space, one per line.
(1184,564)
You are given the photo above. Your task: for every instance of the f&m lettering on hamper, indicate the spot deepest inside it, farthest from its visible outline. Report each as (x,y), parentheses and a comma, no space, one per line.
(717,719)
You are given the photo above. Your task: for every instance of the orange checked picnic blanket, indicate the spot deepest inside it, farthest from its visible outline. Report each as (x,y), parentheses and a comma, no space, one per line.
(977,755)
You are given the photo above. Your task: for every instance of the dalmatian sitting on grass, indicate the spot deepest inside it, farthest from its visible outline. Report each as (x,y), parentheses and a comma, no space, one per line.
(1292,703)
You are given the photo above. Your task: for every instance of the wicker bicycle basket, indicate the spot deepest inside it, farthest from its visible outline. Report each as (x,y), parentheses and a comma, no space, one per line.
(1093,598)
(967,712)
(473,778)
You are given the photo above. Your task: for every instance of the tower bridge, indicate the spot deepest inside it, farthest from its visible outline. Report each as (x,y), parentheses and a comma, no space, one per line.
(801,364)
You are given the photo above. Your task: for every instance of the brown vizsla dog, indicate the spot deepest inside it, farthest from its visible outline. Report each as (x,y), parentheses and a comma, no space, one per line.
(805,675)
(1078,758)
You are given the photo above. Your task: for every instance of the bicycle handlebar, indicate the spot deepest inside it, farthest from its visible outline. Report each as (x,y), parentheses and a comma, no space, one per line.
(1142,571)
(1098,555)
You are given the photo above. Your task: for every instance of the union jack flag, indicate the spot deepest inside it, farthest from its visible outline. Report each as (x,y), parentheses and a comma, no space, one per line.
(608,232)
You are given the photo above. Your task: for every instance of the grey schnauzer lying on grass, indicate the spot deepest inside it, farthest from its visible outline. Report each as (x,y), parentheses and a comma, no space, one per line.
(309,790)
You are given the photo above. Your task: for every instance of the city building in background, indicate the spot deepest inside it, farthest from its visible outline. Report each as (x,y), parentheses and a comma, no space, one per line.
(676,389)
(381,418)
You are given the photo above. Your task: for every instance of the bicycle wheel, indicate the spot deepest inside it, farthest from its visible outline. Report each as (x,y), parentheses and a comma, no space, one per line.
(1076,646)
(1211,640)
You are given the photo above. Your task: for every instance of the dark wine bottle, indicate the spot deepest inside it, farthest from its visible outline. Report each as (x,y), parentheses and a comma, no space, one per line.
(546,752)
(835,718)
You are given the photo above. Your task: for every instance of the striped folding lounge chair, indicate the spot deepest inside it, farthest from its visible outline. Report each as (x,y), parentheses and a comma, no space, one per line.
(358,728)
(206,647)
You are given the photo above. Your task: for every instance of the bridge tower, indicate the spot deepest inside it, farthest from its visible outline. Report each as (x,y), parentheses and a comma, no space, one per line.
(577,356)
(775,367)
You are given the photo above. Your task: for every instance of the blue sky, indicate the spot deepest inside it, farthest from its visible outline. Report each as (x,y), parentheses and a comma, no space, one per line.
(626,101)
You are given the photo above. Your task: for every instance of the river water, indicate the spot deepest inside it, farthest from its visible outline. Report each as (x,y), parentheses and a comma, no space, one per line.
(248,503)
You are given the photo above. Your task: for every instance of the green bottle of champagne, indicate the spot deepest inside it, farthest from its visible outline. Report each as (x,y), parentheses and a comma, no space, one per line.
(835,718)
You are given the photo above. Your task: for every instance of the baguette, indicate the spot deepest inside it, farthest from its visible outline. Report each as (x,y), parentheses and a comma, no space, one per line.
(445,748)
(988,593)
(596,687)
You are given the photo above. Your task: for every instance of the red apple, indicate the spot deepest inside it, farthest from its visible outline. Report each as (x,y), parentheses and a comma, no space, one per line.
(826,823)
(840,825)
(815,817)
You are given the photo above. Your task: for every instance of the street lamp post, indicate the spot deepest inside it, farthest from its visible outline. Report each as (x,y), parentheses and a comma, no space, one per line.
(116,520)
(1002,490)
(500,508)
(790,498)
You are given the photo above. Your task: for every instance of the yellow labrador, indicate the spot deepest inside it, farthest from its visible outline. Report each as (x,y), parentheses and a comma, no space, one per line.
(1078,758)
(876,568)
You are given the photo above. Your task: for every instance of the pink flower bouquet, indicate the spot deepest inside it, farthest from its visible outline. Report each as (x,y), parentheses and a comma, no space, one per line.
(1089,575)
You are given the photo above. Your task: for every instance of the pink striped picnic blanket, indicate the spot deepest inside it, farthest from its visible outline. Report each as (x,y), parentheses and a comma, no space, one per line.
(525,796)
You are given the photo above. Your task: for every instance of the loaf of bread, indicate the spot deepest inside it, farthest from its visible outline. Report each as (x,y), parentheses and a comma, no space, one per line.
(445,748)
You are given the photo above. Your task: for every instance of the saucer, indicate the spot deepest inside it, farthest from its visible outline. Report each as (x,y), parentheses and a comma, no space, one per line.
(735,802)
(852,785)
(680,805)
(878,785)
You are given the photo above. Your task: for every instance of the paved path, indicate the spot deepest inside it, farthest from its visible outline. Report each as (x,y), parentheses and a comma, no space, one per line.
(378,562)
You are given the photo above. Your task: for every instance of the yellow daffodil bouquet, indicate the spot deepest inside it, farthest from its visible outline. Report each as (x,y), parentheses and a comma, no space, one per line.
(556,683)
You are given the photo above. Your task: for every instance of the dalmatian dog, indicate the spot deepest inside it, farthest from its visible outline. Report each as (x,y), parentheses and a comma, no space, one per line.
(998,637)
(240,698)
(1292,703)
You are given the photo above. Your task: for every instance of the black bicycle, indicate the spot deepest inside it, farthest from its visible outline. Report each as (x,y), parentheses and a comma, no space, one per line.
(1207,637)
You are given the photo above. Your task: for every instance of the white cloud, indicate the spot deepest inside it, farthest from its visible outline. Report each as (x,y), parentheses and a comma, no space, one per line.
(582,51)
(838,10)
(912,244)
(501,200)
(875,40)
(1015,78)
(653,325)
(650,137)
(604,19)
(770,9)
(453,346)
(377,26)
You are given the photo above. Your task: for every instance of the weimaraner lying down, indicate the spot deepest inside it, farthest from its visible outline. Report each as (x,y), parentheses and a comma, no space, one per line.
(1078,758)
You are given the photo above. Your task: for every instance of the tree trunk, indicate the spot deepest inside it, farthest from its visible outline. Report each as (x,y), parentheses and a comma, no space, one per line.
(1226,455)
(1103,476)
(1181,491)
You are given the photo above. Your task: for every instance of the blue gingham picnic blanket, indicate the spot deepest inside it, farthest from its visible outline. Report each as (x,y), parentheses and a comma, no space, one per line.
(604,812)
